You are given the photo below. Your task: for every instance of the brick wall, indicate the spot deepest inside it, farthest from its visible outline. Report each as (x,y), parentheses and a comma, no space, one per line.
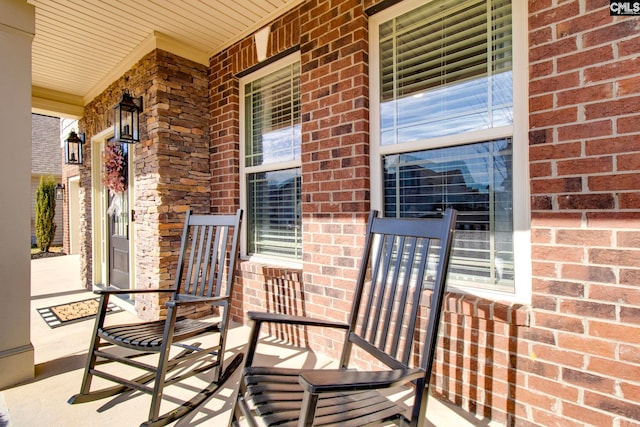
(171,164)
(571,357)
(579,359)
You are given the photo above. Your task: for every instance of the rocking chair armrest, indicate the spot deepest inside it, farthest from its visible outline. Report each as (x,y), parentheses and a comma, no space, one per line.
(340,380)
(182,301)
(260,317)
(117,291)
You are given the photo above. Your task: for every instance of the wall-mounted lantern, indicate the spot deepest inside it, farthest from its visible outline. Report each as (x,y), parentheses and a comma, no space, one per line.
(59,191)
(126,123)
(73,148)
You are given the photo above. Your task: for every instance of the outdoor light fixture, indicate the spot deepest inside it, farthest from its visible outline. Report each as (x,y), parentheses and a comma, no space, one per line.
(73,148)
(126,123)
(59,191)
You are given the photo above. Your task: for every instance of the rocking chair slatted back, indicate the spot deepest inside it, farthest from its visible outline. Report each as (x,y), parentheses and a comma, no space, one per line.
(401,266)
(206,254)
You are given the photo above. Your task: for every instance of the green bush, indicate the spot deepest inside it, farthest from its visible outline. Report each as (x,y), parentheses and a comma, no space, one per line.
(45,212)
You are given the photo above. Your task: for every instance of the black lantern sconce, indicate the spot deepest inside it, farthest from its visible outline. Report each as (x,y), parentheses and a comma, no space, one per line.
(126,121)
(59,191)
(73,148)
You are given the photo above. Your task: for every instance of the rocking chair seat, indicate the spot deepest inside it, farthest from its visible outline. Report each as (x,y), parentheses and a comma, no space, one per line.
(149,336)
(277,395)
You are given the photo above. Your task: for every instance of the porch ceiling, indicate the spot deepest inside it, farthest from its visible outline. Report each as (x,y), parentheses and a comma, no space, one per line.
(81,46)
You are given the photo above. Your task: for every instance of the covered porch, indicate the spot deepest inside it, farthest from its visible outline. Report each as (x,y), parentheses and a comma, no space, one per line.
(61,354)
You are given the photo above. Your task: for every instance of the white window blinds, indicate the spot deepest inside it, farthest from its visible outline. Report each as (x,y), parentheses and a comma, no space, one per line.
(445,69)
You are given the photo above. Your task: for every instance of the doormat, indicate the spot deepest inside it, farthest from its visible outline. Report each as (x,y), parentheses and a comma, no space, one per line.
(64,314)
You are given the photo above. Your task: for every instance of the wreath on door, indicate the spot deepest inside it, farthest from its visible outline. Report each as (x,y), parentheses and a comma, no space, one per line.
(114,168)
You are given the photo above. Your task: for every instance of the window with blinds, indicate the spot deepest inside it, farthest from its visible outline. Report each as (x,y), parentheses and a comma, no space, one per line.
(272,163)
(445,68)
(475,179)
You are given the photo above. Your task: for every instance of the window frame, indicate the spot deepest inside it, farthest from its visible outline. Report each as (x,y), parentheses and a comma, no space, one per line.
(518,132)
(246,171)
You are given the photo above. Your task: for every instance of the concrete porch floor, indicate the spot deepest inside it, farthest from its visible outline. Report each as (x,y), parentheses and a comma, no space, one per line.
(60,355)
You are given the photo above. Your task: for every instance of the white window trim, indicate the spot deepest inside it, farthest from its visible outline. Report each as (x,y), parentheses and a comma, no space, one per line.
(519,131)
(244,170)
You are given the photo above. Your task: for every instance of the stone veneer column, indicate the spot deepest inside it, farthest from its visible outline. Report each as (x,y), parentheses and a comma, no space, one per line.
(171,171)
(17,28)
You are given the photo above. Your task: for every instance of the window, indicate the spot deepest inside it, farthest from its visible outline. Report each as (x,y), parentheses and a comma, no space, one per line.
(271,160)
(444,131)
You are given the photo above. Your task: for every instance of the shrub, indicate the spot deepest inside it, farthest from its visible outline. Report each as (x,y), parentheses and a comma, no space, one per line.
(45,212)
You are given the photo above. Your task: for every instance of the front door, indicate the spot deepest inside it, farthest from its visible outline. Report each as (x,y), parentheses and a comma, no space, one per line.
(118,231)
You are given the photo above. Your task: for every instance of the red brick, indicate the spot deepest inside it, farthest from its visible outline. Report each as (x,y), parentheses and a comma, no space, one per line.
(585,415)
(585,130)
(588,380)
(628,124)
(615,369)
(538,37)
(586,201)
(584,237)
(589,309)
(620,144)
(557,185)
(555,117)
(554,151)
(541,103)
(582,22)
(629,353)
(587,345)
(584,58)
(617,294)
(630,86)
(554,83)
(614,182)
(585,165)
(608,33)
(554,15)
(629,200)
(584,94)
(613,219)
(629,47)
(557,253)
(545,418)
(589,273)
(628,162)
(556,219)
(629,277)
(612,108)
(615,257)
(615,332)
(540,169)
(611,404)
(559,322)
(628,239)
(557,355)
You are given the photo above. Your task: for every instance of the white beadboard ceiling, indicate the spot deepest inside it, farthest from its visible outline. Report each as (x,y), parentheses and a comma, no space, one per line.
(81,46)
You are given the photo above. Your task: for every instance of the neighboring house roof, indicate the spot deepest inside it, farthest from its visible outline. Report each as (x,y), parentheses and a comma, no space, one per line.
(46,157)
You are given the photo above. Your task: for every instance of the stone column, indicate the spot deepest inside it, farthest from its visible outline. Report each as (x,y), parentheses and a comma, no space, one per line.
(17,28)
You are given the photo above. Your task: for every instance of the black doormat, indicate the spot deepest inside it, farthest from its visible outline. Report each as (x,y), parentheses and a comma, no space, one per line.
(72,312)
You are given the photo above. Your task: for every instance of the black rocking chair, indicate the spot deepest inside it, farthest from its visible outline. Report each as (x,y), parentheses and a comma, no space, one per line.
(204,276)
(402,275)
